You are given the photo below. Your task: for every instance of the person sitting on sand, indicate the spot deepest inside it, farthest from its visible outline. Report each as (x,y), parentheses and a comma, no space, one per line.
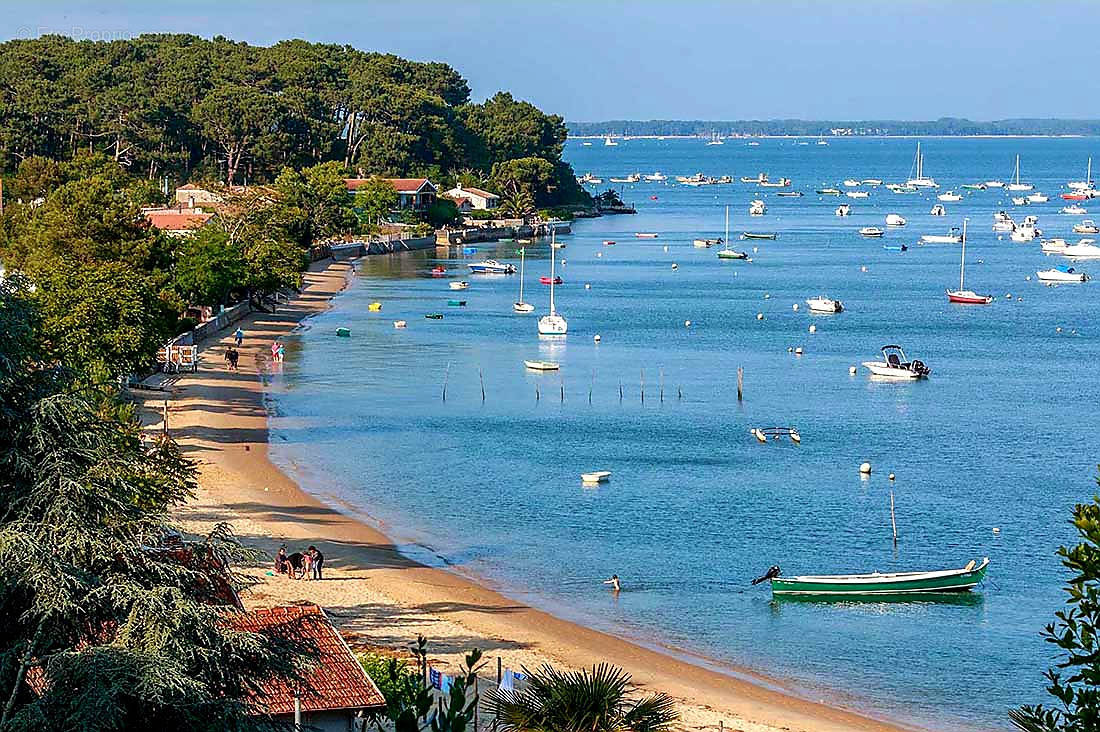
(614,582)
(318,562)
(282,566)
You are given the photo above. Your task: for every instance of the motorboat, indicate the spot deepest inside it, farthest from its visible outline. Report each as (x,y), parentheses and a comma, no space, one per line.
(1024,233)
(632,178)
(1083,249)
(553,324)
(760,178)
(938,210)
(596,476)
(855,586)
(1016,185)
(1086,227)
(962,296)
(843,210)
(542,365)
(895,365)
(759,235)
(1074,210)
(1057,275)
(439,270)
(645,235)
(828,192)
(857,194)
(920,180)
(725,252)
(705,243)
(949,197)
(608,243)
(902,189)
(757,208)
(781,183)
(656,177)
(973,186)
(871,181)
(851,183)
(895,220)
(491,266)
(1020,201)
(1038,197)
(871,231)
(1053,246)
(697,178)
(463,285)
(789,194)
(822,304)
(550,280)
(952,237)
(1076,196)
(994,184)
(896,247)
(1002,222)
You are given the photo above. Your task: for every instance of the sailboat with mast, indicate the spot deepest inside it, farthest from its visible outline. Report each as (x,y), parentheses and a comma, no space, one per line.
(963,296)
(552,324)
(920,181)
(1016,185)
(519,305)
(725,252)
(1082,187)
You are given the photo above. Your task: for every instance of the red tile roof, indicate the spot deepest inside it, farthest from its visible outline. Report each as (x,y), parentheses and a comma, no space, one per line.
(177,220)
(337,682)
(401,185)
(461,201)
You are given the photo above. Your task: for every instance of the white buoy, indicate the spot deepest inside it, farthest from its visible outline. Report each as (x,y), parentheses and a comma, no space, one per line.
(1028,278)
(599,254)
(1058,329)
(865,468)
(760,316)
(790,349)
(891,476)
(687,323)
(675,266)
(996,530)
(852,370)
(767,296)
(596,338)
(795,307)
(666,247)
(863,268)
(1008,296)
(813,328)
(755,250)
(798,351)
(587,286)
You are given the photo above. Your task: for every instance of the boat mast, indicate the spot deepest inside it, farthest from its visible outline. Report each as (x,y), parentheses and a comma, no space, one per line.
(1017,180)
(1088,174)
(522,258)
(962,261)
(726,241)
(553,254)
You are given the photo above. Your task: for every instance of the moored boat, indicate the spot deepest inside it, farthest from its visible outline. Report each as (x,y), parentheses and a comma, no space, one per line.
(938,210)
(963,296)
(895,365)
(491,266)
(895,220)
(949,197)
(843,210)
(1056,275)
(952,237)
(871,231)
(879,583)
(822,304)
(1086,227)
(645,235)
(759,235)
(550,280)
(541,365)
(463,285)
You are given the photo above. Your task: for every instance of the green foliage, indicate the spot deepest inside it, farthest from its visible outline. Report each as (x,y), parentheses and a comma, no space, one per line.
(609,199)
(208,268)
(320,200)
(122,635)
(398,683)
(531,175)
(374,200)
(412,710)
(580,701)
(1075,681)
(442,212)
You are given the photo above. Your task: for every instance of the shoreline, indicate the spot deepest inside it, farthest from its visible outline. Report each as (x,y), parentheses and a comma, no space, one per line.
(382,597)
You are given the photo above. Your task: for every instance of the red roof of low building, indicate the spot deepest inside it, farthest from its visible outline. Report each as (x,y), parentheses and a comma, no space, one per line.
(461,201)
(479,192)
(401,185)
(337,682)
(177,220)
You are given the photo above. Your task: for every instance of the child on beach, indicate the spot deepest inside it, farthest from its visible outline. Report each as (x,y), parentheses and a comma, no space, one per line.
(281,562)
(307,566)
(238,336)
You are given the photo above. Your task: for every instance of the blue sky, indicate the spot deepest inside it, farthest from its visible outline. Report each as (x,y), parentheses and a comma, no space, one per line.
(679,59)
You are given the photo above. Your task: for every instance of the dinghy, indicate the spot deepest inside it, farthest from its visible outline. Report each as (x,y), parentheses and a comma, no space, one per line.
(541,365)
(878,583)
(759,235)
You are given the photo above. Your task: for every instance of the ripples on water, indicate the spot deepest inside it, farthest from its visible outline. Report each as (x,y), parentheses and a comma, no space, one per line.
(1004,434)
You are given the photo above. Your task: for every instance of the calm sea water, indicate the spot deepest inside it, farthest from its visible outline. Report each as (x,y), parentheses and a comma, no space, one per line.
(1004,434)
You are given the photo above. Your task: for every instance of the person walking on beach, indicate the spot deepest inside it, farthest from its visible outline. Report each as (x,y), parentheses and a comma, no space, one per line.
(614,582)
(318,562)
(238,337)
(307,566)
(231,358)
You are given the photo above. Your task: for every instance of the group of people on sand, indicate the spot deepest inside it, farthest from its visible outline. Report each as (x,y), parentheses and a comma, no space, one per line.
(305,565)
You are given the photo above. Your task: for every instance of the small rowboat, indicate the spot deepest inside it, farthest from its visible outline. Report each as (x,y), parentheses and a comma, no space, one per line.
(759,235)
(457,303)
(463,285)
(608,243)
(879,583)
(871,231)
(596,476)
(434,316)
(375,307)
(541,365)
(438,270)
(343,332)
(646,235)
(548,280)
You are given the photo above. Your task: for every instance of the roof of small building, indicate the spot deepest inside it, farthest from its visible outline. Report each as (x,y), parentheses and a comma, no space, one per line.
(476,191)
(337,682)
(178,220)
(401,185)
(460,202)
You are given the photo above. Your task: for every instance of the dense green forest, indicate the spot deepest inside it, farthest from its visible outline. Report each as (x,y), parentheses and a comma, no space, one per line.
(943,126)
(189,108)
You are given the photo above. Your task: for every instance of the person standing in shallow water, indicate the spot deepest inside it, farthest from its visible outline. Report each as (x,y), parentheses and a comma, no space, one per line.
(614,582)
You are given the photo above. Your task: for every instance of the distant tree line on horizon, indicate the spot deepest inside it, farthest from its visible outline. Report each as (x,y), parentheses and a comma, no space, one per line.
(195,109)
(825,128)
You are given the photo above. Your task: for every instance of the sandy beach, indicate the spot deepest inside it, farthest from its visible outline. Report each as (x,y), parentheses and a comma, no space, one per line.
(381,598)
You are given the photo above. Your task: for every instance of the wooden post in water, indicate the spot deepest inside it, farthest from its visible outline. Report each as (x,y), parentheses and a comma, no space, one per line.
(643,386)
(481,378)
(661,385)
(591,384)
(893,522)
(446,375)
(679,394)
(500,674)
(620,391)
(562,389)
(740,382)
(537,395)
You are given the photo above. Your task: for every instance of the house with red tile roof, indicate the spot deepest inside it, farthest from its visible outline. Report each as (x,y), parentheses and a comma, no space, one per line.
(479,198)
(337,692)
(415,193)
(463,204)
(178,222)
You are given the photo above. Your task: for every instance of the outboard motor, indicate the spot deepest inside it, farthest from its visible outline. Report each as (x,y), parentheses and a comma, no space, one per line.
(920,368)
(773,572)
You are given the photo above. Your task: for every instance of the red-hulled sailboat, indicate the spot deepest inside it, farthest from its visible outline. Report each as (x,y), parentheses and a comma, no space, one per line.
(963,296)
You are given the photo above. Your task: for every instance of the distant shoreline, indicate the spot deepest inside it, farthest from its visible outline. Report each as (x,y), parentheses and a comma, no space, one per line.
(987,136)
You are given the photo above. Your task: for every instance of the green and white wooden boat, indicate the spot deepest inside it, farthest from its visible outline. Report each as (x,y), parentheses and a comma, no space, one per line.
(877,583)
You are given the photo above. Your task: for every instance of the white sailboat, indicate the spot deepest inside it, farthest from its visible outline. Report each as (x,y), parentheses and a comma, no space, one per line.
(1016,185)
(725,252)
(609,141)
(552,324)
(920,181)
(519,305)
(963,296)
(1082,185)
